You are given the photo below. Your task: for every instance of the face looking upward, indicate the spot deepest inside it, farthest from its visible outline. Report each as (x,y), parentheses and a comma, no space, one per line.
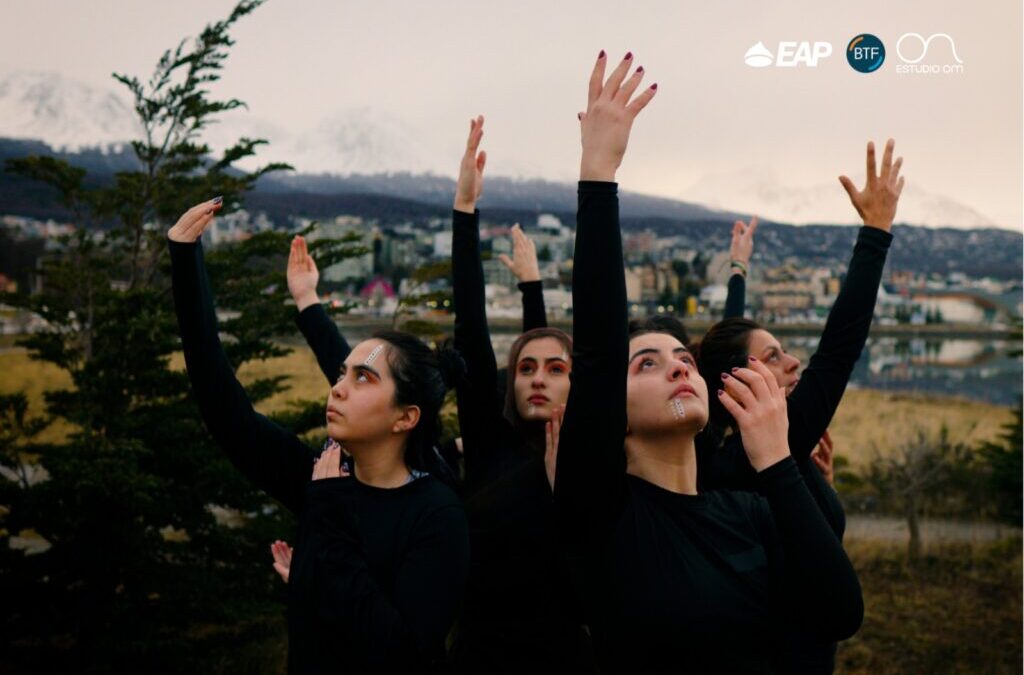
(541,379)
(763,346)
(361,405)
(664,391)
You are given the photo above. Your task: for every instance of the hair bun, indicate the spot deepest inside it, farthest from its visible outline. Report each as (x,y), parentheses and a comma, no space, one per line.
(452,365)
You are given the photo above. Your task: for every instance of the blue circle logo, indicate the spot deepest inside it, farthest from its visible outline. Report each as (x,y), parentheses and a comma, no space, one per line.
(865,53)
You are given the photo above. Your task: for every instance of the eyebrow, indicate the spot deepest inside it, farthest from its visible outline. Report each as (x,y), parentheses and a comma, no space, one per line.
(547,360)
(359,366)
(651,350)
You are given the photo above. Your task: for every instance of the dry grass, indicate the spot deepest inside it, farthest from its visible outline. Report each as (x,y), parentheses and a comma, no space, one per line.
(868,419)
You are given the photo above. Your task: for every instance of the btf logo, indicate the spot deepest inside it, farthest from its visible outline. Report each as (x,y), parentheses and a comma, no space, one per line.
(865,53)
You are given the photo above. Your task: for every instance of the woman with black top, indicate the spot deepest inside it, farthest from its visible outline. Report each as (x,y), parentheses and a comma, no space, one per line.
(673,578)
(520,614)
(380,565)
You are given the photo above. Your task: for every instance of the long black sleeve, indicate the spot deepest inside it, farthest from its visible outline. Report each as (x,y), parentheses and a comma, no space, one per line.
(821,589)
(272,457)
(404,634)
(323,337)
(816,397)
(591,465)
(480,419)
(534,313)
(736,299)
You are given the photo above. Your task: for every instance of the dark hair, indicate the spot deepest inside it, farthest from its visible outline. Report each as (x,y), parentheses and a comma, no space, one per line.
(422,378)
(511,412)
(725,346)
(663,323)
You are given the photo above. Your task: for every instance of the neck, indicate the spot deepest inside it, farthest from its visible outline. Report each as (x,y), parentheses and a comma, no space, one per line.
(381,463)
(668,461)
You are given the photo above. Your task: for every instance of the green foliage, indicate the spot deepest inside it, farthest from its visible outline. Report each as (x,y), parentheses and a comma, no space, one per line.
(1003,460)
(149,541)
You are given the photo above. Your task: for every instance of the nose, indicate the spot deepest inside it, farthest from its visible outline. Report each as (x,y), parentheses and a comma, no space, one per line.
(538,380)
(792,363)
(677,370)
(340,390)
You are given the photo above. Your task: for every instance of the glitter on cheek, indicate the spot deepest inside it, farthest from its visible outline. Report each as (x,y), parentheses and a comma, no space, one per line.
(677,408)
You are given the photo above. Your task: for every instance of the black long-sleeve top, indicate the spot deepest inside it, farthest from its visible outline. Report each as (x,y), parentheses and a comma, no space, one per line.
(520,613)
(377,575)
(703,581)
(736,298)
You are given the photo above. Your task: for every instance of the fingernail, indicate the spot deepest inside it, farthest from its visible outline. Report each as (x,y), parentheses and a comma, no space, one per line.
(628,56)
(218,199)
(725,376)
(640,69)
(601,55)
(735,369)
(751,358)
(654,86)
(721,392)
(579,116)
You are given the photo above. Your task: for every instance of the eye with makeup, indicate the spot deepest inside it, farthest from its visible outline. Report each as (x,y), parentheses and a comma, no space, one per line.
(363,375)
(772,356)
(526,367)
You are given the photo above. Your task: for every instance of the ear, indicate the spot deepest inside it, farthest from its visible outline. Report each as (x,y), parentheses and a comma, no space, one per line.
(407,420)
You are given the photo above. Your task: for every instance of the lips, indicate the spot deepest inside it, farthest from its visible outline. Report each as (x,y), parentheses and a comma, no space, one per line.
(334,411)
(683,390)
(538,399)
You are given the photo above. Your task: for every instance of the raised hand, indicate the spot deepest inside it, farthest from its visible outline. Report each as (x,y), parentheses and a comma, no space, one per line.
(605,126)
(876,203)
(823,457)
(757,403)
(523,262)
(551,429)
(194,221)
(282,554)
(742,245)
(302,275)
(471,171)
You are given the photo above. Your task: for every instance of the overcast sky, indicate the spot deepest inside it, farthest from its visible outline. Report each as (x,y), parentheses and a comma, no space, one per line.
(524,64)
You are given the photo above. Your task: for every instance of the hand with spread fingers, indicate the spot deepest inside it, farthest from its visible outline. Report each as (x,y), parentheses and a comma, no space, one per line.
(523,262)
(302,275)
(471,171)
(823,457)
(605,126)
(742,245)
(551,429)
(282,554)
(758,404)
(194,222)
(876,203)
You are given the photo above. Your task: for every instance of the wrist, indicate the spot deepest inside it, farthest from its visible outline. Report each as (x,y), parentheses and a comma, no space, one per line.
(597,170)
(884,225)
(738,266)
(769,459)
(465,206)
(306,300)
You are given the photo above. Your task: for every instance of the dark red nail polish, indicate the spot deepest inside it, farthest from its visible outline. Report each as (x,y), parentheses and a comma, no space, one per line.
(725,376)
(640,69)
(721,392)
(628,56)
(601,55)
(735,369)
(751,358)
(654,86)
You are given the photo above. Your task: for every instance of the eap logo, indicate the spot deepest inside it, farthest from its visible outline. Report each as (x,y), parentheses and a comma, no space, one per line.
(865,53)
(789,54)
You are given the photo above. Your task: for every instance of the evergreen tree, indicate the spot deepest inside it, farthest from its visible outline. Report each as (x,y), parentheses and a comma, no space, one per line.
(156,549)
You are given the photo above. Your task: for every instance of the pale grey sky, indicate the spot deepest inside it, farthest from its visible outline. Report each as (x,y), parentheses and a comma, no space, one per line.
(715,125)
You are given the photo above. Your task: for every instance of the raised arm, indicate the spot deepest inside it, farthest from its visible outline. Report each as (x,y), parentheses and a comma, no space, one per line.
(480,419)
(405,633)
(321,333)
(272,457)
(523,264)
(816,397)
(591,462)
(819,585)
(740,250)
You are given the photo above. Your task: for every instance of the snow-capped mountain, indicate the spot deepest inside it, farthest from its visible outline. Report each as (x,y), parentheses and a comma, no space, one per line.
(759,190)
(65,113)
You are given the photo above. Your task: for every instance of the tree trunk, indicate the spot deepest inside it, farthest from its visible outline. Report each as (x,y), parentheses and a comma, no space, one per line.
(914,545)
